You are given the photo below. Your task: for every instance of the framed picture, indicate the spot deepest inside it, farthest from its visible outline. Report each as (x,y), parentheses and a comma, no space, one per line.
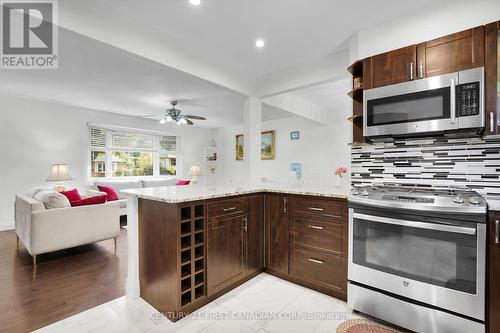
(294,135)
(267,146)
(239,147)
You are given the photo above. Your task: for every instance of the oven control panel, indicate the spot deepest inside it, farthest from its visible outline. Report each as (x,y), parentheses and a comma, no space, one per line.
(468,99)
(406,198)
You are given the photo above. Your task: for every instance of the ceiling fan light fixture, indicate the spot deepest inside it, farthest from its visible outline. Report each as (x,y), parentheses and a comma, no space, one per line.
(163,120)
(168,118)
(183,121)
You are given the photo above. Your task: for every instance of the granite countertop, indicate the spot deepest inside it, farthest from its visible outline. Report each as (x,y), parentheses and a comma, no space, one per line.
(493,202)
(178,194)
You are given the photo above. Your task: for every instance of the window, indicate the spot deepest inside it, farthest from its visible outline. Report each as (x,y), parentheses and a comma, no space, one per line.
(124,154)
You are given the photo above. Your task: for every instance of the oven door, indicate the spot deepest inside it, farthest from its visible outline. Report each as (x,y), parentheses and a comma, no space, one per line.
(437,262)
(420,106)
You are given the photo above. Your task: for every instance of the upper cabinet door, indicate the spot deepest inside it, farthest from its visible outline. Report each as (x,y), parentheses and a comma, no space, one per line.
(391,67)
(451,53)
(492,77)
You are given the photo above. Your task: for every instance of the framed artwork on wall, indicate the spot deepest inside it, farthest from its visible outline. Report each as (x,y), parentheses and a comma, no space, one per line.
(267,150)
(239,147)
(294,135)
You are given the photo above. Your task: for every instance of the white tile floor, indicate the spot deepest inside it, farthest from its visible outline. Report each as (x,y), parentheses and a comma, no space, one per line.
(263,304)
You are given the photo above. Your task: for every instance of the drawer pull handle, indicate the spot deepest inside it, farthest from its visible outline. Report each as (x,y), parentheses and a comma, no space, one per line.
(497,231)
(316,209)
(317,227)
(316,261)
(226,210)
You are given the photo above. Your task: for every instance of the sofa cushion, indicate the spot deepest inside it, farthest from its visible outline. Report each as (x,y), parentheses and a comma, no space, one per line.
(110,192)
(52,199)
(72,195)
(120,184)
(99,199)
(158,182)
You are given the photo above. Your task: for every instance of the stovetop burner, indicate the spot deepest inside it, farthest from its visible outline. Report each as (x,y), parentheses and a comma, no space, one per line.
(420,198)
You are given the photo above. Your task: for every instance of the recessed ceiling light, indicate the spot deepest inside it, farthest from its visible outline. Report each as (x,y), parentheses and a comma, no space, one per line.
(259,43)
(195,2)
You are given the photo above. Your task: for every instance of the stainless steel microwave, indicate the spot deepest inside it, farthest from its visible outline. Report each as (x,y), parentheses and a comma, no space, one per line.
(443,103)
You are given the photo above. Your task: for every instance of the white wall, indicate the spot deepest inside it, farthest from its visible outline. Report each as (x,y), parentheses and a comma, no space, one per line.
(435,19)
(35,134)
(321,149)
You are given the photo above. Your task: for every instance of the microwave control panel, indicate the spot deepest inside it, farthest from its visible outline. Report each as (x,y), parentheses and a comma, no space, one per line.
(468,99)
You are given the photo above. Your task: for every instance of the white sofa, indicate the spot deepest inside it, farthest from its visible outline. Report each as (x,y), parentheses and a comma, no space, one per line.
(44,230)
(125,184)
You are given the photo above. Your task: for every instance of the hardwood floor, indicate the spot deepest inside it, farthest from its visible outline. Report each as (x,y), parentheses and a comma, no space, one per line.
(66,282)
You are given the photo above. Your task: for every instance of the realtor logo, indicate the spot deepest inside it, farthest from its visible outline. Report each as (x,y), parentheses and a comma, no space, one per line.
(29,34)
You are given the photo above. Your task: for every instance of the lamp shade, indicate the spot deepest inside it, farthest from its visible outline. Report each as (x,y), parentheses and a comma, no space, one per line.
(59,172)
(195,171)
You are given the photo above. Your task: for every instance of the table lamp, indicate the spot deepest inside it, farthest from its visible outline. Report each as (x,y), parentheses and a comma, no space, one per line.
(195,172)
(59,173)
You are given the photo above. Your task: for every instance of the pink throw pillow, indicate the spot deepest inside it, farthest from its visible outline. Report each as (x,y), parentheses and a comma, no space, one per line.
(182,182)
(111,194)
(72,195)
(98,199)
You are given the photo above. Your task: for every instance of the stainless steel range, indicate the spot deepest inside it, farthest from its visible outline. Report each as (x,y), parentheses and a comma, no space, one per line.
(417,257)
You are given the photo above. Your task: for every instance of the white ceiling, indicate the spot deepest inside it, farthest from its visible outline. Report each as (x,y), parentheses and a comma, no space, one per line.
(223,32)
(97,76)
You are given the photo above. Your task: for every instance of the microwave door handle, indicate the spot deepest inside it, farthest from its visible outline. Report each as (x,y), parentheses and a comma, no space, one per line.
(452,101)
(415,224)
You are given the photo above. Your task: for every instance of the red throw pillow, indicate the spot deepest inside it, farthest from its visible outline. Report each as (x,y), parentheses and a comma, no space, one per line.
(72,195)
(182,182)
(98,199)
(111,194)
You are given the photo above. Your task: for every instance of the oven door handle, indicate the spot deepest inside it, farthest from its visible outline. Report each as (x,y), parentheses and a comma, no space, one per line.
(415,224)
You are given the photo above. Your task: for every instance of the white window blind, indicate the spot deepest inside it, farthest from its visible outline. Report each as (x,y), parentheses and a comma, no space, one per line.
(97,138)
(168,143)
(132,140)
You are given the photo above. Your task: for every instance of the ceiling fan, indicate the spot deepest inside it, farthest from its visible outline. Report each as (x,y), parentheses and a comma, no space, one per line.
(175,115)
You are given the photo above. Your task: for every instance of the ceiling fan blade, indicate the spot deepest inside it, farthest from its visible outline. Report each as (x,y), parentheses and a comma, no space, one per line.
(189,122)
(194,117)
(149,115)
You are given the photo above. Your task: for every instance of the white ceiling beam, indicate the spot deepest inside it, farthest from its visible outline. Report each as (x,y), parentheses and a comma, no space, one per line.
(298,106)
(323,70)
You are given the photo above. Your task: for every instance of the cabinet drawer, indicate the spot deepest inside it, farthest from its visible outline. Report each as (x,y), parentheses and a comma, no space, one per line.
(225,207)
(325,208)
(320,268)
(322,235)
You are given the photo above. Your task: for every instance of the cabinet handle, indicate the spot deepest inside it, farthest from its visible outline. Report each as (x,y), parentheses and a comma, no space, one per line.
(317,209)
(245,223)
(317,227)
(497,231)
(452,101)
(421,69)
(230,209)
(411,70)
(285,205)
(316,261)
(492,121)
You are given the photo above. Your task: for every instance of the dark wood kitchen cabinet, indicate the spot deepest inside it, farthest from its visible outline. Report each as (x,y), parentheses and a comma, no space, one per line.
(318,251)
(493,277)
(172,256)
(254,234)
(225,252)
(391,67)
(492,76)
(235,240)
(451,53)
(447,54)
(277,232)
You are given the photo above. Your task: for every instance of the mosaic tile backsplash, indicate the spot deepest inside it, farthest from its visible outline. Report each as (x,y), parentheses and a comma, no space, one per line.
(442,162)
